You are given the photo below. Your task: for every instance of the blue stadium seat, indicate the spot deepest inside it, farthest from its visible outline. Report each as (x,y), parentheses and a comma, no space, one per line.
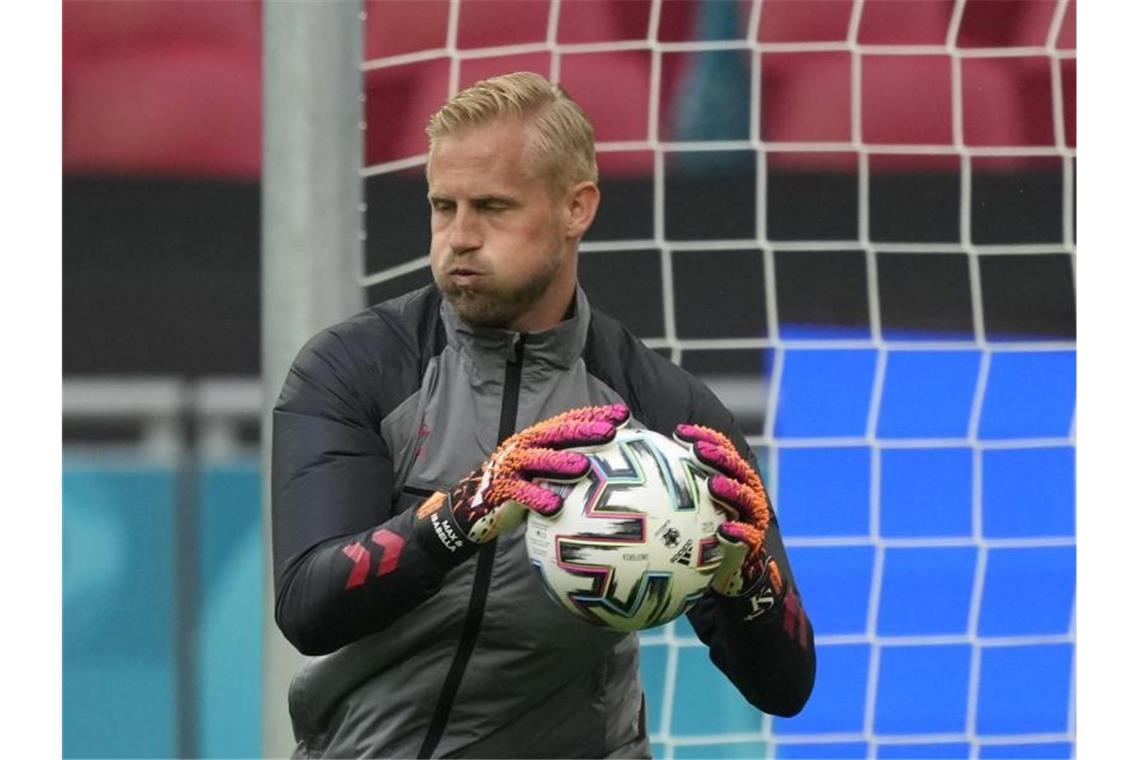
(1040,751)
(725,750)
(923,689)
(119,669)
(813,403)
(1025,689)
(837,702)
(928,394)
(926,493)
(1028,591)
(1029,394)
(229,632)
(1028,493)
(824,491)
(653,662)
(835,582)
(822,751)
(703,701)
(926,751)
(926,591)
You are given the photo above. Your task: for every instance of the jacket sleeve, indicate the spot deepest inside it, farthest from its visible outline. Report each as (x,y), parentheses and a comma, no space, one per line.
(345,564)
(767,650)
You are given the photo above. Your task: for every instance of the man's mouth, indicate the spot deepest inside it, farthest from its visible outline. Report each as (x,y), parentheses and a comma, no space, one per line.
(465,275)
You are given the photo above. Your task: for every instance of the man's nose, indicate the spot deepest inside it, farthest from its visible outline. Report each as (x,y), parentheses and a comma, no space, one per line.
(465,234)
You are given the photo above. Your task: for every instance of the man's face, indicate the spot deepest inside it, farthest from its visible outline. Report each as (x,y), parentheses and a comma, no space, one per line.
(498,250)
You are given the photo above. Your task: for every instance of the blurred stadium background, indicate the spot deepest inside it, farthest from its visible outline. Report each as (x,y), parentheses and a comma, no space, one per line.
(853,218)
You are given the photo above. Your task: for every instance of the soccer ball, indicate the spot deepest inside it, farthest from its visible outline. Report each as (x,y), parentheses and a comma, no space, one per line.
(634,545)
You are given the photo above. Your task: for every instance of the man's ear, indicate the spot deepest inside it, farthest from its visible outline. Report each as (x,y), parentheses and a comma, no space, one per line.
(581,206)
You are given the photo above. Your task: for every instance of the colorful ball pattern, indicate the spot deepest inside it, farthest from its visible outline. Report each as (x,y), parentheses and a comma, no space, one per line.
(634,545)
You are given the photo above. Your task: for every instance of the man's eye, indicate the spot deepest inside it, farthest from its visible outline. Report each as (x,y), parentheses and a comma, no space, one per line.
(442,206)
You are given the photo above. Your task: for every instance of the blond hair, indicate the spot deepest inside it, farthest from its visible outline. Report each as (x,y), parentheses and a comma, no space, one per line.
(561,135)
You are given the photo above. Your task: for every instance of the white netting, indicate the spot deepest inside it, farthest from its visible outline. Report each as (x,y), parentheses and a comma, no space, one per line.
(975,140)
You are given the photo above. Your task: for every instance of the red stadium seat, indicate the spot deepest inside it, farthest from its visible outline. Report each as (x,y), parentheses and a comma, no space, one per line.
(175,87)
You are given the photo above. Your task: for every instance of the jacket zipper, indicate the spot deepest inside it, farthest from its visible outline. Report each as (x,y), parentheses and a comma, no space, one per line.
(508,418)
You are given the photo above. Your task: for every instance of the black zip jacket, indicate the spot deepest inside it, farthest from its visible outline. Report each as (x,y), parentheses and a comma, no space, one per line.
(422,659)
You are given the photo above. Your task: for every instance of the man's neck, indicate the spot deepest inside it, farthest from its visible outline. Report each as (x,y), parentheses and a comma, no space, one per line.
(551,313)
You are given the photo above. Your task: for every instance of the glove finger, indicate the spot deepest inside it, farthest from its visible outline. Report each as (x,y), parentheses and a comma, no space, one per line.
(496,522)
(686,433)
(727,579)
(615,414)
(549,464)
(531,495)
(726,460)
(741,565)
(572,434)
(742,502)
(741,533)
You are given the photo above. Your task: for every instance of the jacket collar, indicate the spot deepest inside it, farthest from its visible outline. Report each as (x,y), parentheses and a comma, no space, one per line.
(560,346)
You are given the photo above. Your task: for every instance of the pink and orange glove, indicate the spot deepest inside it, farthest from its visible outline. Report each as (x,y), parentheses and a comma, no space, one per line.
(737,490)
(495,496)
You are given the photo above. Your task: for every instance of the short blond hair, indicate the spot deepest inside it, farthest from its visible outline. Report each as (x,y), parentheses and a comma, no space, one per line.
(561,135)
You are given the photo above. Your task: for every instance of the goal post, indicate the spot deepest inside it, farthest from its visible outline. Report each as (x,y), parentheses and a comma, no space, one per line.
(311,242)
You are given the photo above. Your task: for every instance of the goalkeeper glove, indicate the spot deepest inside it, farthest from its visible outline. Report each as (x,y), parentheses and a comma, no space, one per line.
(745,567)
(495,496)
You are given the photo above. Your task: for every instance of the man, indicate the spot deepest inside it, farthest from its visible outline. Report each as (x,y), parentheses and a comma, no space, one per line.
(395,453)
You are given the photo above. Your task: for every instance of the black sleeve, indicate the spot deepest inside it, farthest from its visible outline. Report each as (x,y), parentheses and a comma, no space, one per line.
(769,657)
(344,564)
(764,643)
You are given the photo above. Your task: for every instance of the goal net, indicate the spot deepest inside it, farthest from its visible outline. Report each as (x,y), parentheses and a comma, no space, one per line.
(854,220)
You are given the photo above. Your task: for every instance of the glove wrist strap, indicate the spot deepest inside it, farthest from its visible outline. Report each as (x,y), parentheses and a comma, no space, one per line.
(764,595)
(437,531)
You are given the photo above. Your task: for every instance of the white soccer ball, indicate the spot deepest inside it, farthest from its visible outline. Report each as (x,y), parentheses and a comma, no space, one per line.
(634,545)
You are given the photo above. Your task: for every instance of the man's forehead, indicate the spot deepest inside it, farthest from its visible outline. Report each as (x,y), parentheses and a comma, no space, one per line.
(485,154)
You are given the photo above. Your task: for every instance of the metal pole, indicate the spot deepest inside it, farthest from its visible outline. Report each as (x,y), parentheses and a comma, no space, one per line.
(310,236)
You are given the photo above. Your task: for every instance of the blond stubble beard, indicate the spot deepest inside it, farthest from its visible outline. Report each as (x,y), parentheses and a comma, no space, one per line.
(491,307)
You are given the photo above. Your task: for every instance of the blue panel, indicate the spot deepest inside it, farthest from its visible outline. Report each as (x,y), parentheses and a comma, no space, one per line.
(119,707)
(1025,690)
(835,582)
(727,750)
(928,394)
(118,612)
(923,689)
(653,660)
(762,461)
(229,644)
(809,331)
(926,591)
(926,492)
(825,492)
(1028,591)
(825,393)
(717,112)
(657,750)
(704,702)
(940,751)
(1043,751)
(822,751)
(838,699)
(1029,394)
(683,629)
(1028,492)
